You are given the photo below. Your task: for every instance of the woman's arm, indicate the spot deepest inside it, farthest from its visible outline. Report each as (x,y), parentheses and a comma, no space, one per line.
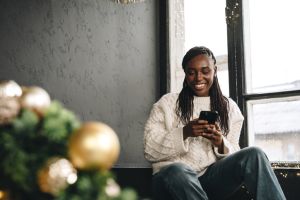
(161,144)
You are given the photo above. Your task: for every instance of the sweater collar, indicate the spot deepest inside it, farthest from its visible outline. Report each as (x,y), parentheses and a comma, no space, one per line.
(202,100)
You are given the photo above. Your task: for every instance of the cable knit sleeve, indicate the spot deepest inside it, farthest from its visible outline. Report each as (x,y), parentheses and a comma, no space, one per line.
(231,141)
(162,141)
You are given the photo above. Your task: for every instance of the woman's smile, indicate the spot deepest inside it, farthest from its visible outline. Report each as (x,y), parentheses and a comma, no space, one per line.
(199,86)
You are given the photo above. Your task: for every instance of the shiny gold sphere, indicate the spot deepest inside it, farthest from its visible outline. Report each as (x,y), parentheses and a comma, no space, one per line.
(10,89)
(56,175)
(94,146)
(35,99)
(4,195)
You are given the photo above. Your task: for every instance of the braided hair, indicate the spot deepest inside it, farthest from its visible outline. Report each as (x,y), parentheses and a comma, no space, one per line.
(218,102)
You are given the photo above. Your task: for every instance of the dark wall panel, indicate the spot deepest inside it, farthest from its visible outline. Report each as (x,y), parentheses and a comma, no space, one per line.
(97,57)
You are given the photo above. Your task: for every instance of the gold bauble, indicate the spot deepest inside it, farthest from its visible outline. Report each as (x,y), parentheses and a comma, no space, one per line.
(10,89)
(9,109)
(56,175)
(94,146)
(35,99)
(4,195)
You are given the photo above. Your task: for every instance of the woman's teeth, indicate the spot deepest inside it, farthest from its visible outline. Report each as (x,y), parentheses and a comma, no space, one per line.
(200,86)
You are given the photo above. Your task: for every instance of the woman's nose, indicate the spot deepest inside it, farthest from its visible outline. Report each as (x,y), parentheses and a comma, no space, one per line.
(199,76)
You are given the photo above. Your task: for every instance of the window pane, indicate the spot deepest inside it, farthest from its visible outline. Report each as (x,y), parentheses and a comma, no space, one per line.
(272,45)
(205,25)
(274,125)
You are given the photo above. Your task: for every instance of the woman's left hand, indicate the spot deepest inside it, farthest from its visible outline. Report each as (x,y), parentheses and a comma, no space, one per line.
(214,134)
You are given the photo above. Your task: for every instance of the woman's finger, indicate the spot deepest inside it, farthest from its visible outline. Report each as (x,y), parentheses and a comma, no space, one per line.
(217,126)
(208,135)
(200,121)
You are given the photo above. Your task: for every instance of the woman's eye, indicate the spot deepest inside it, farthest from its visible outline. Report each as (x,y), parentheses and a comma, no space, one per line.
(205,70)
(191,72)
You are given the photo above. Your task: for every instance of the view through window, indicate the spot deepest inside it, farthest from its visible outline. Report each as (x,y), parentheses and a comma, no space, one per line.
(272,42)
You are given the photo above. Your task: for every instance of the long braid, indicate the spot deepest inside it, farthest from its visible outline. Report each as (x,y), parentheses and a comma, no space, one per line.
(185,103)
(219,103)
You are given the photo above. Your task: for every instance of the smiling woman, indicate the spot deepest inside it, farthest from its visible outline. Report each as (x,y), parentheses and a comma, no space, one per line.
(190,157)
(199,65)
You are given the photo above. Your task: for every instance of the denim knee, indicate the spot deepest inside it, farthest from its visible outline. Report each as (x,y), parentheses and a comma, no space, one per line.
(255,152)
(178,181)
(178,172)
(177,168)
(251,157)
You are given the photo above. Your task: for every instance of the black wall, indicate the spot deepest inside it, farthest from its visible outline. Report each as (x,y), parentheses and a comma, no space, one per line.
(98,57)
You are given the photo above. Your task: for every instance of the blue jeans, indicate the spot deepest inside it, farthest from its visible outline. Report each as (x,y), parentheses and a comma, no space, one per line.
(249,166)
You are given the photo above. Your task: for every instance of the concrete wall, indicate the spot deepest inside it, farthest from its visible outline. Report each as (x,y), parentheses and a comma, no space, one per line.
(97,57)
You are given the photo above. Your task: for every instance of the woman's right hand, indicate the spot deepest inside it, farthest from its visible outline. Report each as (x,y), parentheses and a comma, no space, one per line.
(195,128)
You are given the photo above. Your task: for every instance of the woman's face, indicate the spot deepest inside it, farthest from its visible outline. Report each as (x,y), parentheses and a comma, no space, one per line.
(199,74)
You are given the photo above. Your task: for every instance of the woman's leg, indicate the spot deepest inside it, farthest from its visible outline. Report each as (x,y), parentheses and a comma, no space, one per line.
(249,166)
(177,181)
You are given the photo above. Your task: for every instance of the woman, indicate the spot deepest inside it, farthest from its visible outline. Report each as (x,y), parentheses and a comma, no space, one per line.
(192,159)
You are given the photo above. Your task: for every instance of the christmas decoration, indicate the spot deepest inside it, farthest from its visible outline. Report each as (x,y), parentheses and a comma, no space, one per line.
(94,145)
(9,109)
(37,136)
(112,189)
(4,195)
(9,105)
(56,175)
(35,99)
(10,89)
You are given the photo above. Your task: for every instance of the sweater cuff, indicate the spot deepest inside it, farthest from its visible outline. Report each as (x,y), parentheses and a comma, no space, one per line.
(180,145)
(226,149)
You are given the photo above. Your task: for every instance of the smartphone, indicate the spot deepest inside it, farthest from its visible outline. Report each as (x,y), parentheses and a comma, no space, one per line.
(210,116)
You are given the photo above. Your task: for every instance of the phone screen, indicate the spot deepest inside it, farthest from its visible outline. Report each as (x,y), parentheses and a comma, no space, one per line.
(210,116)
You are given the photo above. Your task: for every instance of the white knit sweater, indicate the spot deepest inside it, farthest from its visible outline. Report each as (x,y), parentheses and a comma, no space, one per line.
(163,136)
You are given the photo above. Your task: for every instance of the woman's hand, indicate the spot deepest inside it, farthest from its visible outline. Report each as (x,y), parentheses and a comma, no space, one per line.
(211,132)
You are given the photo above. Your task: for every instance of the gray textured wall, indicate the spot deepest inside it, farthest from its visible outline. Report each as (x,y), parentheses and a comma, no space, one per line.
(97,57)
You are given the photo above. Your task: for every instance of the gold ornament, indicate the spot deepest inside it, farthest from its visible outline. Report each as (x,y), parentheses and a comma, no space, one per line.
(4,195)
(9,109)
(35,99)
(56,175)
(94,146)
(10,89)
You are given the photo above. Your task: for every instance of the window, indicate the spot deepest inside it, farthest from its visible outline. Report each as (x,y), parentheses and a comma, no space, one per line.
(272,45)
(274,125)
(265,46)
